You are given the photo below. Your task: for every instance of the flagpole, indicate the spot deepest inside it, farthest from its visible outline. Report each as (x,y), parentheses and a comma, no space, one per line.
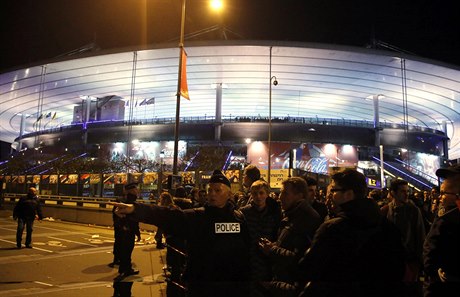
(178,95)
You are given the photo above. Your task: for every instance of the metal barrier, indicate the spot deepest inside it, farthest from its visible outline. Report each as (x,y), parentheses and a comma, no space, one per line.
(69,201)
(86,210)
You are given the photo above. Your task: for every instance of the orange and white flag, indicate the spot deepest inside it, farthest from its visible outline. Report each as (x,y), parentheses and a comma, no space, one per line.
(183,77)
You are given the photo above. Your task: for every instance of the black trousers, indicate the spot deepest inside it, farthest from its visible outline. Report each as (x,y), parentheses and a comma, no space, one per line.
(122,249)
(28,223)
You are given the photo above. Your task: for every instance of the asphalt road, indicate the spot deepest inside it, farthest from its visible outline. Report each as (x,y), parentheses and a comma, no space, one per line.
(70,259)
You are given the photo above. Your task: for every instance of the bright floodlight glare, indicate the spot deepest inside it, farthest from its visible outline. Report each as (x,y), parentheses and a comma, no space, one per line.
(216,4)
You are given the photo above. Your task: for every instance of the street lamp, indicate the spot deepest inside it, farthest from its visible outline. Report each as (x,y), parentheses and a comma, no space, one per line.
(160,176)
(275,83)
(179,80)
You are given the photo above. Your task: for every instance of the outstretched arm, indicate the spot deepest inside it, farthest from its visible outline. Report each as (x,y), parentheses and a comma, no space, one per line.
(122,209)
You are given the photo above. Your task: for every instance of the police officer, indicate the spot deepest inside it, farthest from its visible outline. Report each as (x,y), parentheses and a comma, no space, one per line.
(217,240)
(125,232)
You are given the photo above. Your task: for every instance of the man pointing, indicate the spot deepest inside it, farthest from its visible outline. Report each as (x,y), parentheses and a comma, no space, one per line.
(216,235)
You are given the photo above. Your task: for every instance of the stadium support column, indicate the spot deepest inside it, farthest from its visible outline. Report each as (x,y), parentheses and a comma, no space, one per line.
(375,100)
(87,117)
(445,142)
(377,128)
(21,132)
(218,122)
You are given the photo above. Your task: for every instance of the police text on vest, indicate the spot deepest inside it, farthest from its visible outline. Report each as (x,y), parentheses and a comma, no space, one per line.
(227,227)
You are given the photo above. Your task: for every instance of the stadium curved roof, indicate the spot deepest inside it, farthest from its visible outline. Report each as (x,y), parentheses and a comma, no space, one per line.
(314,80)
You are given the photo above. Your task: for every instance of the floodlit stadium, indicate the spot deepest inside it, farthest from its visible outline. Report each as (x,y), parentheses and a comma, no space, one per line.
(266,91)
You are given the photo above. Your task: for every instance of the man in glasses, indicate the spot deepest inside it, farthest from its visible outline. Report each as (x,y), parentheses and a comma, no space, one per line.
(356,253)
(441,251)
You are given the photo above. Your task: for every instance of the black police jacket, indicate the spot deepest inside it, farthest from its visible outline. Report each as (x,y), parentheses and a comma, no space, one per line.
(217,246)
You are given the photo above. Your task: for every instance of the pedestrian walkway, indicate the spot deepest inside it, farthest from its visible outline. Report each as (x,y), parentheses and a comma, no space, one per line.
(69,259)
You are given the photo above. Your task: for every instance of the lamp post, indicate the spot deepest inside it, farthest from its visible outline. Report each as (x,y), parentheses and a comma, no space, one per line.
(217,5)
(275,83)
(179,82)
(160,176)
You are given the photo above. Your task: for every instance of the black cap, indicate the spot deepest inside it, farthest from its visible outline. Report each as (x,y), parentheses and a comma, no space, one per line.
(130,186)
(448,172)
(218,177)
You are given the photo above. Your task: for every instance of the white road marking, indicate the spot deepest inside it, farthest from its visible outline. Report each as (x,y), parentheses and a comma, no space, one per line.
(67,240)
(40,249)
(12,242)
(45,284)
(14,230)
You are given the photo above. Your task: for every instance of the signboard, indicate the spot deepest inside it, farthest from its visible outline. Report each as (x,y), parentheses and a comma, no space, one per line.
(373,183)
(68,179)
(150,178)
(277,176)
(108,178)
(36,179)
(95,179)
(84,178)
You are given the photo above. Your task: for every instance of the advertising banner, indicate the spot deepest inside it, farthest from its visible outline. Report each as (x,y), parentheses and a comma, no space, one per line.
(150,178)
(95,179)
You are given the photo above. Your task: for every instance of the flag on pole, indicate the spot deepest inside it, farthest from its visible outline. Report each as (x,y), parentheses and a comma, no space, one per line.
(39,118)
(183,77)
(150,101)
(143,102)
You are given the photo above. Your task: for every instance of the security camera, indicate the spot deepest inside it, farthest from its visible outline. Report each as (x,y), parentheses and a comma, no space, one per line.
(275,82)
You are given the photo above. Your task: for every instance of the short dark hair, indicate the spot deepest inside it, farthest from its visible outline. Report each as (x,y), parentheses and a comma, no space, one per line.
(298,185)
(350,179)
(396,183)
(252,172)
(180,192)
(310,180)
(131,186)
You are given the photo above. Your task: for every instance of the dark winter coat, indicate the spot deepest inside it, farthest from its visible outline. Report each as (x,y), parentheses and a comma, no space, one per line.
(27,207)
(409,220)
(218,257)
(294,238)
(358,253)
(441,252)
(125,225)
(262,224)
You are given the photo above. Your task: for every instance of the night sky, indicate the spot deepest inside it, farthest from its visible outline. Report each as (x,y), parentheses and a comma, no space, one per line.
(36,30)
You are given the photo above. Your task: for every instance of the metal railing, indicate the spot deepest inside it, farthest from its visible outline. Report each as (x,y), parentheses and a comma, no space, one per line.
(235,119)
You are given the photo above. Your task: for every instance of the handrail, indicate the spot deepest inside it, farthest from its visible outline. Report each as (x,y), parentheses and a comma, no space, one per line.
(234,119)
(403,173)
(428,177)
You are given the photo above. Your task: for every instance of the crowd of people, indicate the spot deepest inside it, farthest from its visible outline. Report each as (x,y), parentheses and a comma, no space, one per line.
(343,240)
